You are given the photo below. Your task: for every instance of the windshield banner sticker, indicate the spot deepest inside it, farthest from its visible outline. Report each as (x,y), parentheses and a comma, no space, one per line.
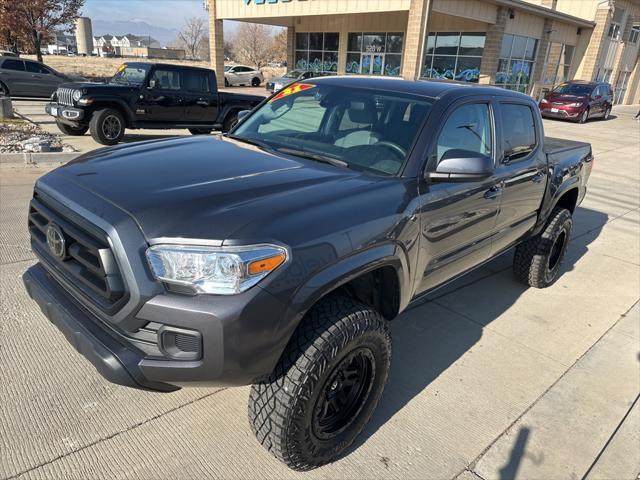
(290,90)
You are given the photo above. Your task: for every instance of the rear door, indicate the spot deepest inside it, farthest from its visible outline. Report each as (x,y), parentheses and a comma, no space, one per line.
(42,80)
(14,76)
(200,96)
(458,219)
(164,102)
(522,170)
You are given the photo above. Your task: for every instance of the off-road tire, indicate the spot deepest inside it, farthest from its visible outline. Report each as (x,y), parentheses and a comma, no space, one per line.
(229,122)
(97,126)
(72,131)
(537,262)
(200,131)
(282,408)
(255,82)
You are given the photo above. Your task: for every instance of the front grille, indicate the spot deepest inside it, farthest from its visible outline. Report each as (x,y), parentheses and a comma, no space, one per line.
(86,263)
(65,96)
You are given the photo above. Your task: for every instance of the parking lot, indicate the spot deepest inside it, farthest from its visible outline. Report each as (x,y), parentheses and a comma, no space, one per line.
(489,380)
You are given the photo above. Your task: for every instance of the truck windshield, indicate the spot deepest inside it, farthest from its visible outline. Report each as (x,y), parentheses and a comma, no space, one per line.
(361,129)
(573,89)
(130,74)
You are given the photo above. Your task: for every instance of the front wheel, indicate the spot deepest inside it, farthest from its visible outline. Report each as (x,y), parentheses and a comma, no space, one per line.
(72,131)
(537,261)
(607,112)
(584,117)
(326,386)
(226,83)
(107,126)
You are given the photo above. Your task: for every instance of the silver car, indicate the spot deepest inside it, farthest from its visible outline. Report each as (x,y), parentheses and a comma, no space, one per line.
(28,78)
(278,83)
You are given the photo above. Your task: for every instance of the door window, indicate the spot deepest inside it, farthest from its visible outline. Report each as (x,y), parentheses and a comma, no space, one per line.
(467,128)
(36,68)
(519,131)
(196,81)
(166,79)
(13,65)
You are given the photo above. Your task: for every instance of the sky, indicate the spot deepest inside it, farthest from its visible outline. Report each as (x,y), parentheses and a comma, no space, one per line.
(163,13)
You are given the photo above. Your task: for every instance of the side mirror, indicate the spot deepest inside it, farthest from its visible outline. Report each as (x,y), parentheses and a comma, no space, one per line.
(459,165)
(242,114)
(152,84)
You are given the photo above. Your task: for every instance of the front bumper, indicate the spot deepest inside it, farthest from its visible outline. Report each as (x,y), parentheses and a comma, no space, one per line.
(64,113)
(236,334)
(561,111)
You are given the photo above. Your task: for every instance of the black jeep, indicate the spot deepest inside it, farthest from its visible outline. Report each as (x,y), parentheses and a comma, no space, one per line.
(146,95)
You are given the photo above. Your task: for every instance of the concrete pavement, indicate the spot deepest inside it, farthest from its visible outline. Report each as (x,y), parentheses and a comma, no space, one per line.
(489,379)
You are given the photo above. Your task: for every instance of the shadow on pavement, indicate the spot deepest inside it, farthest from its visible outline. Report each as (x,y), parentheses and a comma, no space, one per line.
(422,352)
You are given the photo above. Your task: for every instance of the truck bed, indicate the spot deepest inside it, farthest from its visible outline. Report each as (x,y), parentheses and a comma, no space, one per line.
(554,145)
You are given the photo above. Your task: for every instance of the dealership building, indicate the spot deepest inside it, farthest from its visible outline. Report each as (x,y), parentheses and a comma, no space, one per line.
(524,45)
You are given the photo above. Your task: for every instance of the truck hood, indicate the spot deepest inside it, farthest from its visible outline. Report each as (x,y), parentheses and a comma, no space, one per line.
(205,187)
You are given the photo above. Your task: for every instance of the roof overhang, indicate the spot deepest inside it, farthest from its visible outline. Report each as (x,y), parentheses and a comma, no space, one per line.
(545,12)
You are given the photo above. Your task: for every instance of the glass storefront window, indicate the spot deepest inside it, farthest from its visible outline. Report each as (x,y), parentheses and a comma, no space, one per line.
(317,51)
(557,64)
(374,53)
(515,65)
(454,56)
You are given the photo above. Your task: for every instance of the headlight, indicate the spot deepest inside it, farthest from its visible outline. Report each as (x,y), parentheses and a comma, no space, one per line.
(575,104)
(76,95)
(544,100)
(214,270)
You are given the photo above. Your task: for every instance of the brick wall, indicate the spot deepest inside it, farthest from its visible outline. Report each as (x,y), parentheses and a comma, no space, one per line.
(216,43)
(492,44)
(539,65)
(414,38)
(596,43)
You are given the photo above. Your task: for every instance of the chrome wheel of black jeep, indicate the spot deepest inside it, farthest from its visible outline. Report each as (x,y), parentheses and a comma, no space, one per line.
(344,394)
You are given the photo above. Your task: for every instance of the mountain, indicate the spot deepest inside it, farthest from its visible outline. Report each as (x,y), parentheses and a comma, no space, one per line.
(135,27)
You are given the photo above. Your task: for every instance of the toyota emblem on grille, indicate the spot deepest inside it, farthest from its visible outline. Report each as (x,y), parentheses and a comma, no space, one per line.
(55,241)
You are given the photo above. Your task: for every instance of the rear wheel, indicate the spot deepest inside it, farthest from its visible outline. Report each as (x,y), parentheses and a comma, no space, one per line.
(326,386)
(230,122)
(537,261)
(4,90)
(200,131)
(255,82)
(107,126)
(72,131)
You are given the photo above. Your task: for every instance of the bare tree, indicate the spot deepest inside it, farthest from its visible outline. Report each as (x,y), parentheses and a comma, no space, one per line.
(253,44)
(280,46)
(40,17)
(192,35)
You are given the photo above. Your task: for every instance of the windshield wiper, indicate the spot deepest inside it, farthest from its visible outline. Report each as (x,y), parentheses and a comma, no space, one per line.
(250,141)
(313,156)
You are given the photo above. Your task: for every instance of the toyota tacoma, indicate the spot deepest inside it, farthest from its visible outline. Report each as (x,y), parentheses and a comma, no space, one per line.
(276,255)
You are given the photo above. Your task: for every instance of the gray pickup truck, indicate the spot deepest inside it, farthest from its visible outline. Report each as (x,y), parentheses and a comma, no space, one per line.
(275,255)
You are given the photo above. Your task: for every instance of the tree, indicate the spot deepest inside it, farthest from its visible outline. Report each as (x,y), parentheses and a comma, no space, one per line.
(12,30)
(191,36)
(39,18)
(253,44)
(280,46)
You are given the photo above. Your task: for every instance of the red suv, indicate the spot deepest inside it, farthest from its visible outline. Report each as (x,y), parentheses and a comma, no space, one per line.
(578,101)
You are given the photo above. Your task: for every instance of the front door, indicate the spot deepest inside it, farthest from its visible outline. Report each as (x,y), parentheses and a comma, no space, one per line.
(163,101)
(372,64)
(523,171)
(458,219)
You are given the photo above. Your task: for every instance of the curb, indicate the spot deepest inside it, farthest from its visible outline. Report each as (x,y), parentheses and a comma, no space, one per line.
(38,158)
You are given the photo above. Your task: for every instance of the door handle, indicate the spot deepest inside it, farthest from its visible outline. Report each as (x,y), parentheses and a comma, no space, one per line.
(537,178)
(493,192)
(202,102)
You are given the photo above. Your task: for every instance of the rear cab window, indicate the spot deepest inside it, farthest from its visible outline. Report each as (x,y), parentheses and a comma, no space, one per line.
(519,136)
(196,81)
